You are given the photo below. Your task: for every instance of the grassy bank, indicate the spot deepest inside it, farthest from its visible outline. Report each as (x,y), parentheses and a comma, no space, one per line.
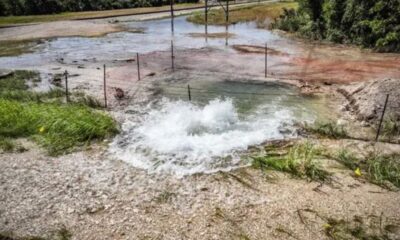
(44,118)
(258,13)
(15,20)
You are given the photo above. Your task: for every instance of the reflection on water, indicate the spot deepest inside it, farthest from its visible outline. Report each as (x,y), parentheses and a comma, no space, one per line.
(157,37)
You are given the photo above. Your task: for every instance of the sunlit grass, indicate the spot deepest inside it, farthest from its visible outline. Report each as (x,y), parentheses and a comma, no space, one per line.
(12,20)
(258,13)
(299,161)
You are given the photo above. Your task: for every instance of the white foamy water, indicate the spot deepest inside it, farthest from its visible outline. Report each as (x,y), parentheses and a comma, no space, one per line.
(183,138)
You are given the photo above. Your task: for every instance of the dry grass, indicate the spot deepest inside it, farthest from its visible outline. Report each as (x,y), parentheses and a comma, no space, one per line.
(259,13)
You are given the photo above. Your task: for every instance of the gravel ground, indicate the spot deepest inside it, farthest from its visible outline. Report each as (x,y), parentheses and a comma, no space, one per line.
(96,197)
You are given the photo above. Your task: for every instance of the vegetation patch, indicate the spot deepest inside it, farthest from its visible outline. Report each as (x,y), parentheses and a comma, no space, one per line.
(327,129)
(15,48)
(299,160)
(45,118)
(391,128)
(259,13)
(367,23)
(383,170)
(56,127)
(359,228)
(17,14)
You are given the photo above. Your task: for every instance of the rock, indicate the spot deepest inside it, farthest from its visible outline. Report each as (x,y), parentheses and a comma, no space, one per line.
(119,93)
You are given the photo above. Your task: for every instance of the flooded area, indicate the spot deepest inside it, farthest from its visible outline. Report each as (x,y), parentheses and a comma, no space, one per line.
(189,124)
(214,130)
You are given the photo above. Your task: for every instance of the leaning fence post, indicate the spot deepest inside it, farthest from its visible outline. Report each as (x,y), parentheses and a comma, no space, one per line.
(189,93)
(381,121)
(66,86)
(138,66)
(172,56)
(266,60)
(105,87)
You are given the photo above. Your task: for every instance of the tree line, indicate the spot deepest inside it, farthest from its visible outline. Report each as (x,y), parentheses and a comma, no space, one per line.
(367,23)
(35,7)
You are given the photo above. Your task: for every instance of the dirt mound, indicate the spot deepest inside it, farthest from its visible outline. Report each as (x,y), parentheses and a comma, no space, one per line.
(367,100)
(257,49)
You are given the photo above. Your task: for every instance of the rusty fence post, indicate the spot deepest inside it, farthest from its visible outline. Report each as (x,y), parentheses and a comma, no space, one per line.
(66,86)
(381,120)
(105,86)
(138,66)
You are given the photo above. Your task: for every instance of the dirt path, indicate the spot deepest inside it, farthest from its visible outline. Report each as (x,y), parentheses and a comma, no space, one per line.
(95,197)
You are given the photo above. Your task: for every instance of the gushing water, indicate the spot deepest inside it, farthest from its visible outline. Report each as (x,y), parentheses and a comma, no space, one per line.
(183,138)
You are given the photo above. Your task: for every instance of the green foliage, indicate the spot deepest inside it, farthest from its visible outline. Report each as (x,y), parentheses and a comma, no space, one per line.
(391,127)
(382,168)
(299,160)
(378,168)
(34,7)
(58,128)
(327,129)
(367,23)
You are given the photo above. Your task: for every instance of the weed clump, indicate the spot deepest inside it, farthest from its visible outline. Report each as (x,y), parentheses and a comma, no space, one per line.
(299,161)
(379,169)
(327,129)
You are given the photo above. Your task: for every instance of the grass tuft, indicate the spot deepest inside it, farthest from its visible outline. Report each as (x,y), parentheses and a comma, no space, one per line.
(391,127)
(299,161)
(327,129)
(378,168)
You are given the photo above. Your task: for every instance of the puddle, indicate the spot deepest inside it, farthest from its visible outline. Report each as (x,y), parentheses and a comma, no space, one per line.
(212,132)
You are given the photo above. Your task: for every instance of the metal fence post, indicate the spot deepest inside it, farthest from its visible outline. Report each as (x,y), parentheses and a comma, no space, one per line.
(172,56)
(105,87)
(383,115)
(172,15)
(66,86)
(266,60)
(189,93)
(138,65)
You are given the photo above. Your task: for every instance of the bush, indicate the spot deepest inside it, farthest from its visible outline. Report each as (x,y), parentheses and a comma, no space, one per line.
(367,23)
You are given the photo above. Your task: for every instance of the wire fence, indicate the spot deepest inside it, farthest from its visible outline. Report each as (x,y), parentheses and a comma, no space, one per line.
(124,79)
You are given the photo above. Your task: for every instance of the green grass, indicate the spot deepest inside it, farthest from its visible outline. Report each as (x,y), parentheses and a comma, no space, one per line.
(15,48)
(299,161)
(391,127)
(257,13)
(44,117)
(379,169)
(327,129)
(57,127)
(8,145)
(384,168)
(348,159)
(15,20)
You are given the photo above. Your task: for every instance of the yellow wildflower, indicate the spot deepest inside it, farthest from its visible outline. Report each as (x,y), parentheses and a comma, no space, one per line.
(357,172)
(327,226)
(42,129)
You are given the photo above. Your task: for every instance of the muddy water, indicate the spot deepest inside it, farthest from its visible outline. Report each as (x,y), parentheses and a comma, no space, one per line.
(156,37)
